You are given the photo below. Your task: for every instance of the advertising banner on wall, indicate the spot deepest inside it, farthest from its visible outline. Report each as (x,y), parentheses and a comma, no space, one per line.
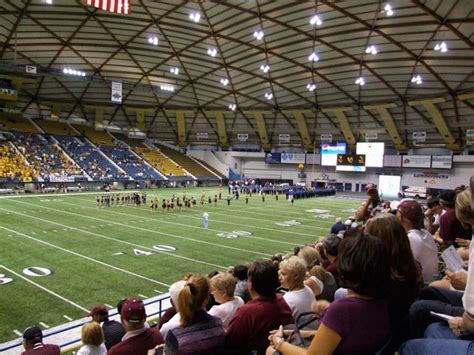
(242,137)
(416,161)
(293,158)
(441,161)
(326,137)
(419,136)
(202,135)
(284,138)
(273,158)
(116,93)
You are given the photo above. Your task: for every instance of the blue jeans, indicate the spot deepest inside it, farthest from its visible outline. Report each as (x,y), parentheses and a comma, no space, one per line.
(437,346)
(440,330)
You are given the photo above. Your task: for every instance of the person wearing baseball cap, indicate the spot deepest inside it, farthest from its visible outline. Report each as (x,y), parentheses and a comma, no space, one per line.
(113,330)
(33,343)
(139,338)
(424,248)
(372,206)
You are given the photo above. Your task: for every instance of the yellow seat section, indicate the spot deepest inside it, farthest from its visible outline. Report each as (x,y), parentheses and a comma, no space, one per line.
(96,137)
(15,121)
(12,164)
(56,127)
(159,161)
(184,161)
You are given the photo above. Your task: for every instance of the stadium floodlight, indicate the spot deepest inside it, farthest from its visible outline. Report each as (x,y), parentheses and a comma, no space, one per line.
(371,50)
(258,35)
(195,16)
(224,81)
(174,70)
(212,52)
(313,57)
(268,95)
(265,68)
(315,20)
(360,81)
(417,80)
(311,86)
(232,106)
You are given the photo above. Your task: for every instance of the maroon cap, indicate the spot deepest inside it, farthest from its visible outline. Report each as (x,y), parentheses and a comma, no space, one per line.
(411,210)
(99,310)
(133,311)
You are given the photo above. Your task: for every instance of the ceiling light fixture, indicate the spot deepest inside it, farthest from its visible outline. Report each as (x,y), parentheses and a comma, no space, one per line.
(442,47)
(167,88)
(195,16)
(153,40)
(258,35)
(70,71)
(417,80)
(212,52)
(49,2)
(232,106)
(315,20)
(388,10)
(268,95)
(360,81)
(313,57)
(311,86)
(224,81)
(174,70)
(371,50)
(265,68)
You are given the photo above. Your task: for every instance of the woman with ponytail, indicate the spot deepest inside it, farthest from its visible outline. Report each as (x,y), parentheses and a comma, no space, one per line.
(199,333)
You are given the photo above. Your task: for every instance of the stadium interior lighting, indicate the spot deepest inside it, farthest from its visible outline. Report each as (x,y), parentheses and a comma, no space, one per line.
(311,86)
(313,57)
(388,10)
(268,95)
(258,35)
(167,88)
(360,81)
(212,52)
(232,106)
(371,50)
(195,16)
(265,68)
(75,72)
(224,81)
(417,80)
(174,70)
(442,47)
(315,20)
(153,40)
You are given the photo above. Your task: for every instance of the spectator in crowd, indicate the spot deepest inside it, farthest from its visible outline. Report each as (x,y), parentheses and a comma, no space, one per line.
(365,272)
(450,228)
(372,206)
(432,215)
(249,328)
(338,226)
(456,336)
(199,333)
(330,246)
(405,273)
(241,289)
(325,281)
(410,214)
(309,255)
(222,288)
(292,275)
(139,338)
(113,330)
(174,321)
(92,338)
(33,343)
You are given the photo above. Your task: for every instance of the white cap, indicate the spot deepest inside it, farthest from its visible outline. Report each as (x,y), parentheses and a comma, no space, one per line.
(348,222)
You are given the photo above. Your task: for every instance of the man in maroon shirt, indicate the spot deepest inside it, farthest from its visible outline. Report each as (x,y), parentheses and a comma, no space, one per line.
(33,343)
(139,337)
(450,228)
(248,329)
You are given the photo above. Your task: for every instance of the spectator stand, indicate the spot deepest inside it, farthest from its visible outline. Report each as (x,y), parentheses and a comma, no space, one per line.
(68,335)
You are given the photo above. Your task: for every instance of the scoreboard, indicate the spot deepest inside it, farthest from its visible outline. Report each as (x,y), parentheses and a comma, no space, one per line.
(350,162)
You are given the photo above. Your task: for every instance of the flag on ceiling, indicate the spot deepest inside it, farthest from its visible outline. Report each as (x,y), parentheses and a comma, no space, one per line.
(118,6)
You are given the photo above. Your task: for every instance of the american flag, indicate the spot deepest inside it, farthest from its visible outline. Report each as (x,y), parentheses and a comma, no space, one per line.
(118,6)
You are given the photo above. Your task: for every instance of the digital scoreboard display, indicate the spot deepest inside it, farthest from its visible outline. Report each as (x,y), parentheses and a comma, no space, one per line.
(350,162)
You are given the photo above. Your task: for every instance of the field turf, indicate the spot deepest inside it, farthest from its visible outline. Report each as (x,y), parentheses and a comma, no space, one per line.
(92,251)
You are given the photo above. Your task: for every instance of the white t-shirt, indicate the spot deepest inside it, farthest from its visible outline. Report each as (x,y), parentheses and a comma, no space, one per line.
(92,350)
(425,252)
(173,323)
(226,311)
(299,301)
(468,298)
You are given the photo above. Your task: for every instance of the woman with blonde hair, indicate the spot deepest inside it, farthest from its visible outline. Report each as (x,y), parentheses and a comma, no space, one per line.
(222,288)
(198,333)
(322,280)
(92,338)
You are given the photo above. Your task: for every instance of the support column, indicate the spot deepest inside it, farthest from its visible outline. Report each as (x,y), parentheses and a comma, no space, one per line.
(439,121)
(261,128)
(140,116)
(344,123)
(303,128)
(221,129)
(389,123)
(181,126)
(56,110)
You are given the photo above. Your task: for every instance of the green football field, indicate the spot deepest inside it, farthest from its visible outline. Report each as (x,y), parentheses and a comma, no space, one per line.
(101,255)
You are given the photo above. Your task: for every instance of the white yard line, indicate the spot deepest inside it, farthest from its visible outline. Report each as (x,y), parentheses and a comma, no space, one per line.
(142,229)
(86,257)
(17,332)
(120,241)
(44,288)
(44,325)
(67,318)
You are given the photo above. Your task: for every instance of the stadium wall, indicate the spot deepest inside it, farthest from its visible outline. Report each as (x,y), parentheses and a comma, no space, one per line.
(252,165)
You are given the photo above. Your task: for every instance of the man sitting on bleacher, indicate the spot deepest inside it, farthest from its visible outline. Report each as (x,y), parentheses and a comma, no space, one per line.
(33,343)
(139,337)
(248,329)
